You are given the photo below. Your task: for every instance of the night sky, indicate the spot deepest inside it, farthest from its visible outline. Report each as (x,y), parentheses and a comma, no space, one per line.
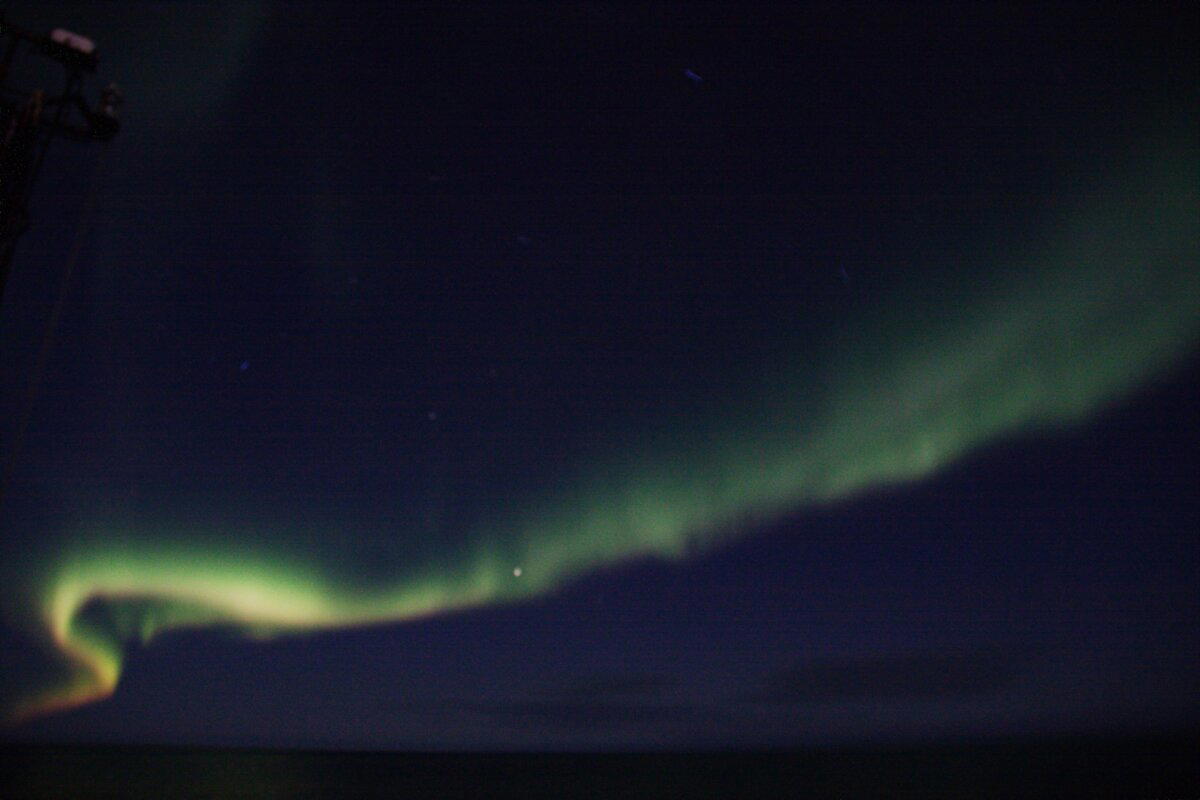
(602,377)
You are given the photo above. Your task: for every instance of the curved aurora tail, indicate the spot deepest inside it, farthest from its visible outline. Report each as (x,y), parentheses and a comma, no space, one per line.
(1110,301)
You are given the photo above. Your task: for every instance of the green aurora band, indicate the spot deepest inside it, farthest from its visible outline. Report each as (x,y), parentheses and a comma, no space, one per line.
(1111,299)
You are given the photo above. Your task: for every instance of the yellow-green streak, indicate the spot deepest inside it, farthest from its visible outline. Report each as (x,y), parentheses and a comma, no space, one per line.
(1111,300)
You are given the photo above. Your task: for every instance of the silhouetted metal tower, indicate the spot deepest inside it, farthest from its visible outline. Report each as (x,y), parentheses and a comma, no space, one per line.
(29,120)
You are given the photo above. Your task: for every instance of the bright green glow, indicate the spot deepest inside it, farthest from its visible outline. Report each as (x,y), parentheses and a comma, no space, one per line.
(1113,301)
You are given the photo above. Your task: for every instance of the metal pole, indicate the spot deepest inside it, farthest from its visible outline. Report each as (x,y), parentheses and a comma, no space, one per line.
(27,137)
(9,52)
(20,139)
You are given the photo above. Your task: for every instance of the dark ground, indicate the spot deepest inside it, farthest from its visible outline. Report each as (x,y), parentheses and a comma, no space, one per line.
(1147,766)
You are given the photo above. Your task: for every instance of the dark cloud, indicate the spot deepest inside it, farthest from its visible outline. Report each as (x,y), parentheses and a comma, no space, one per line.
(916,676)
(620,687)
(582,715)
(596,701)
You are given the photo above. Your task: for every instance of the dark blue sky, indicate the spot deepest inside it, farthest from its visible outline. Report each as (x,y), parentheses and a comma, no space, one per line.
(362,281)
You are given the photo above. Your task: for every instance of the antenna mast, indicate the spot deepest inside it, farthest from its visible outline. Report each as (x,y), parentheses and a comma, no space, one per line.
(29,120)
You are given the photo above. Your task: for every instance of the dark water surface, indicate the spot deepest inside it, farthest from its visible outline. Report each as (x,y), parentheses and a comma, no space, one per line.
(1146,766)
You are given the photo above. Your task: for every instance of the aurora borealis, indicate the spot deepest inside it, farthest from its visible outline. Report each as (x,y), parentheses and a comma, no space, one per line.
(1107,308)
(359,484)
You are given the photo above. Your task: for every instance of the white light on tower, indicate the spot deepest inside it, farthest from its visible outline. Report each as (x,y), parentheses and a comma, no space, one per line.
(73,41)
